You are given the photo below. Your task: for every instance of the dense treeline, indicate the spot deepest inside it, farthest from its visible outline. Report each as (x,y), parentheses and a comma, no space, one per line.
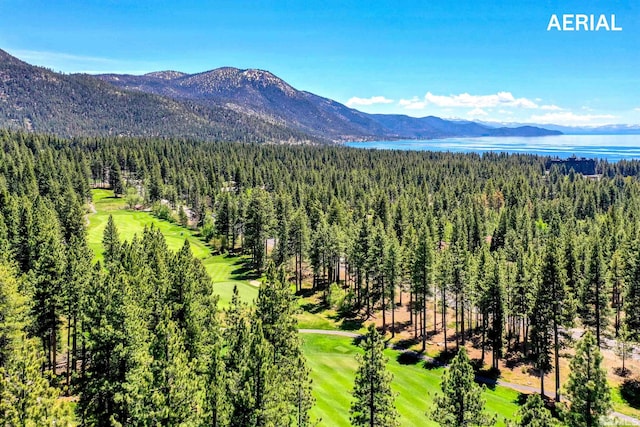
(145,343)
(517,255)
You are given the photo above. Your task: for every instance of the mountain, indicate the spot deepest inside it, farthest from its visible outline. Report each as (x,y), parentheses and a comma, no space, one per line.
(620,129)
(263,94)
(435,127)
(37,99)
(222,104)
(614,129)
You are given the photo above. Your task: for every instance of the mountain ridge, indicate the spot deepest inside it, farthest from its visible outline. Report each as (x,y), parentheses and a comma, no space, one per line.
(226,103)
(263,93)
(40,100)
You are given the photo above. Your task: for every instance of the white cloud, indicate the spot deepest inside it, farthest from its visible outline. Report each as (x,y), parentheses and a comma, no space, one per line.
(503,100)
(477,112)
(569,118)
(368,101)
(412,104)
(637,109)
(551,108)
(466,100)
(500,99)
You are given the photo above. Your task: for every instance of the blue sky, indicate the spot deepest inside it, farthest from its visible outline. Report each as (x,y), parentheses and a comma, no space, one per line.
(492,61)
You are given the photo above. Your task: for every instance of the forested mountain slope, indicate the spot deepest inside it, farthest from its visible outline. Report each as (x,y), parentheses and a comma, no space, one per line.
(40,100)
(262,93)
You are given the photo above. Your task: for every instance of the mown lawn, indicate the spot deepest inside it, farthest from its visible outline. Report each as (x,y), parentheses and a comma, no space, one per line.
(225,272)
(333,365)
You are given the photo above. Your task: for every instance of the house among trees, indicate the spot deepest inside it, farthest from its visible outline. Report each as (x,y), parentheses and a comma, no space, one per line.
(579,165)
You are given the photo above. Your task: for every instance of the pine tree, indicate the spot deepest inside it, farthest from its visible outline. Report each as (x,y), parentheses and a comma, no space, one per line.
(534,414)
(594,296)
(299,235)
(552,281)
(75,290)
(359,256)
(485,274)
(276,310)
(379,291)
(624,347)
(422,276)
(587,388)
(632,294)
(499,234)
(183,219)
(12,311)
(259,218)
(26,398)
(374,402)
(302,397)
(461,403)
(616,282)
(541,318)
(178,392)
(237,340)
(283,250)
(47,275)
(111,242)
(102,388)
(496,309)
(115,179)
(393,275)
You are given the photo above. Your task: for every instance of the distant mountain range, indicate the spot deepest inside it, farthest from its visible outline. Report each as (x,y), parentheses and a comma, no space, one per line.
(619,129)
(263,94)
(222,104)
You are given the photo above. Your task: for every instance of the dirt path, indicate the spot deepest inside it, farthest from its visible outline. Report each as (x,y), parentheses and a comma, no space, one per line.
(626,419)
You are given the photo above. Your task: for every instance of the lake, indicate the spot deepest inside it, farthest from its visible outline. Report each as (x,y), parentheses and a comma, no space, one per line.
(610,147)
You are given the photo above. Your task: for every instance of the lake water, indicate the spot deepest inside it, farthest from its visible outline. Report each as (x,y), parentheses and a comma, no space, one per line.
(610,147)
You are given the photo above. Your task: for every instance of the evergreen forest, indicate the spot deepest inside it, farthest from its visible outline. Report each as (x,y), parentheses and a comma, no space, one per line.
(476,263)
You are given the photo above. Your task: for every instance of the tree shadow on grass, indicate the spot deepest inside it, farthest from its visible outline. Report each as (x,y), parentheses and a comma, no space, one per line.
(244,270)
(348,320)
(351,324)
(440,360)
(408,358)
(312,308)
(515,359)
(521,399)
(357,340)
(630,392)
(305,292)
(406,343)
(445,356)
(488,377)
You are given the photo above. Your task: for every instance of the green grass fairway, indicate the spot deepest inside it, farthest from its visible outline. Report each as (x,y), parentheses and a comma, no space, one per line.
(224,271)
(333,365)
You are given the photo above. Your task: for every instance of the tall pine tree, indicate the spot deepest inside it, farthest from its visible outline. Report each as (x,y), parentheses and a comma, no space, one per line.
(461,403)
(587,388)
(374,402)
